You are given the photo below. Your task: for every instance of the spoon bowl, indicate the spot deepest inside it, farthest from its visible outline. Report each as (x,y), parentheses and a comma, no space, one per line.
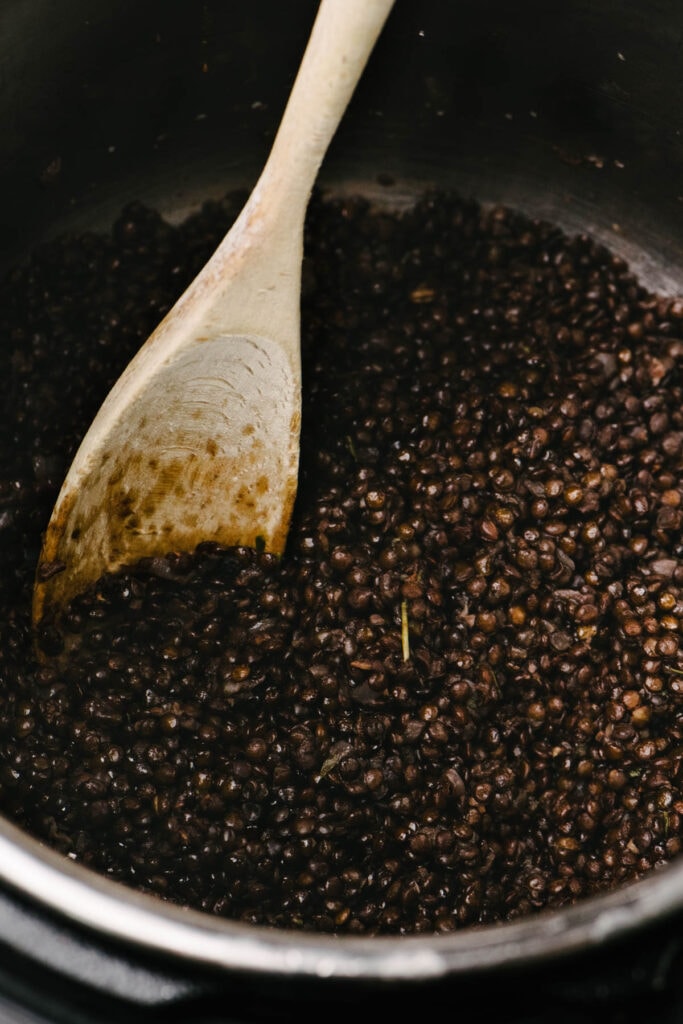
(198,440)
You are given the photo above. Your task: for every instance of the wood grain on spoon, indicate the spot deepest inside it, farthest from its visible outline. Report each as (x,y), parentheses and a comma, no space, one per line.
(199,438)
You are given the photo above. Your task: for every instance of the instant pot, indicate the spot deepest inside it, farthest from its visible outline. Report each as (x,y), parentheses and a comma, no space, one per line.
(571,112)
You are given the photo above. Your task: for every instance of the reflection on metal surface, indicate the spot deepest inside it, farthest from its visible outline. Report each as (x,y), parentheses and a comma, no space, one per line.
(115,911)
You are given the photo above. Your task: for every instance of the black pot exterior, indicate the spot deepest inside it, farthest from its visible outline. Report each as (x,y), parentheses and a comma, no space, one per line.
(572,112)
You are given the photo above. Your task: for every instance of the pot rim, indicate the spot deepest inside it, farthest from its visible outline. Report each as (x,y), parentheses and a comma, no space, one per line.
(117,912)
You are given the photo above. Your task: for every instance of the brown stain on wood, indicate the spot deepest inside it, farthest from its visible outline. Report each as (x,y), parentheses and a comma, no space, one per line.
(145,513)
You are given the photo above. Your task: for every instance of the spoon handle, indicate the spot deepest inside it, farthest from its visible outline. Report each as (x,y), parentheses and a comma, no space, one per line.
(254,276)
(341,41)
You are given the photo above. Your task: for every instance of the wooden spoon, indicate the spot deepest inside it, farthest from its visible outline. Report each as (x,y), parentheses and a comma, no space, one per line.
(199,438)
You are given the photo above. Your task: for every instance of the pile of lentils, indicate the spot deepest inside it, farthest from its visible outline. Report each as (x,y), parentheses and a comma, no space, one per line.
(457,699)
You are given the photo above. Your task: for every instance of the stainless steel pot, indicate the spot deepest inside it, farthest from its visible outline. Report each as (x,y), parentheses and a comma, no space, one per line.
(570,111)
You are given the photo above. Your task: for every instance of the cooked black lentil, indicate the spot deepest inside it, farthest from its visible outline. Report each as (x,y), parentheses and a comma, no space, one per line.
(457,698)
